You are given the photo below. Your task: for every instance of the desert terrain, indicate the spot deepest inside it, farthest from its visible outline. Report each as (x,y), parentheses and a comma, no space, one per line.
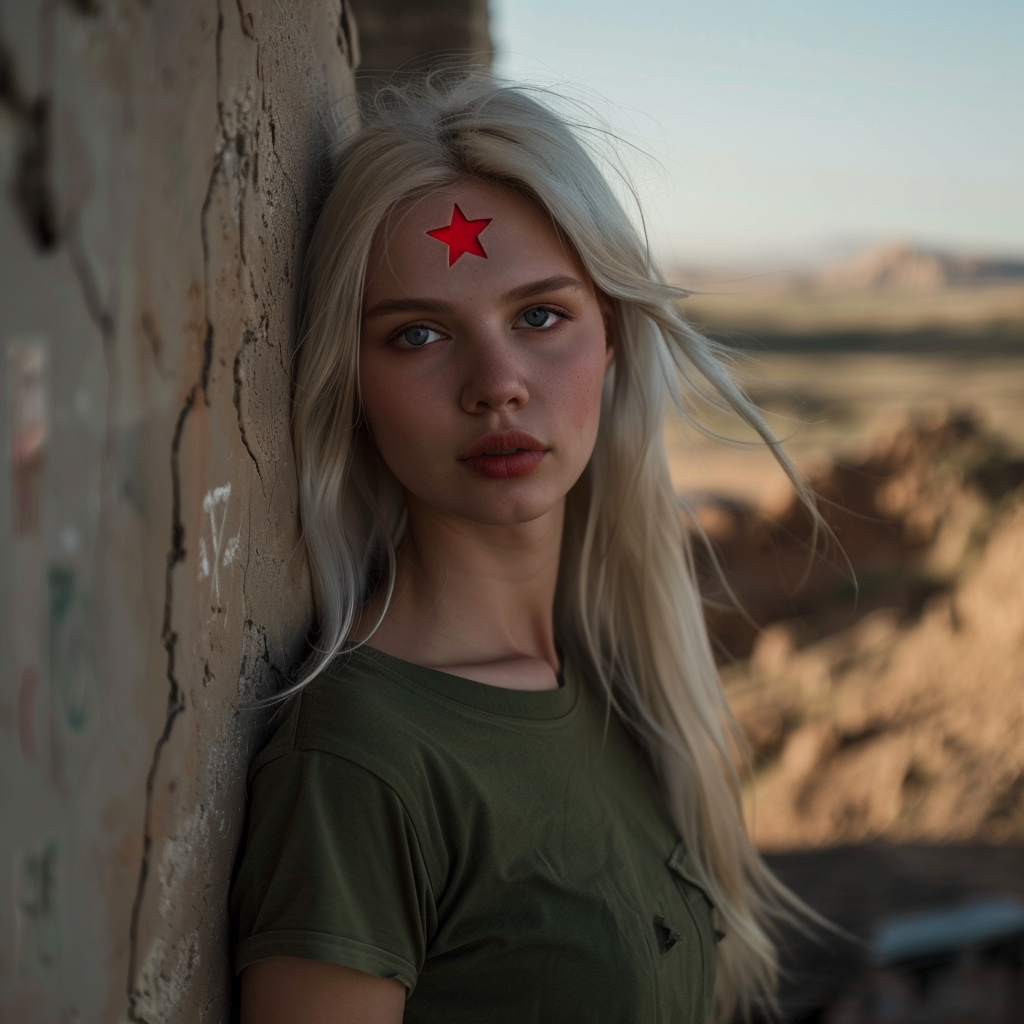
(887,298)
(876,670)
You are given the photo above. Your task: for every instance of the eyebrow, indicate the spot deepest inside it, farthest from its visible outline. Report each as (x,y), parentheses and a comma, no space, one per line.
(524,291)
(548,284)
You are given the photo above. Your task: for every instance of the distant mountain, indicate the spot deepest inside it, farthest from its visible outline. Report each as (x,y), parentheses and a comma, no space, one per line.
(899,266)
(893,297)
(892,266)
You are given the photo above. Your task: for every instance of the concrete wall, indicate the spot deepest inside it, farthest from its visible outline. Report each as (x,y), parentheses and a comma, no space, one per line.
(159,162)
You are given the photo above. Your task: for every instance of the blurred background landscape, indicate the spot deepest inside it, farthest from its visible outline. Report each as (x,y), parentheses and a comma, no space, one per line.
(843,193)
(877,673)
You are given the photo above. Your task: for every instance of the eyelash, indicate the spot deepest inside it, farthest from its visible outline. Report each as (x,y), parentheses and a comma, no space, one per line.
(560,314)
(397,337)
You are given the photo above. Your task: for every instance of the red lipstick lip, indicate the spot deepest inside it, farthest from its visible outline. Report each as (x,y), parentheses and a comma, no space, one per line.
(503,441)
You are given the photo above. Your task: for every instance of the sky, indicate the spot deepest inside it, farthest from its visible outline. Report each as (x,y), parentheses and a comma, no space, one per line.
(797,128)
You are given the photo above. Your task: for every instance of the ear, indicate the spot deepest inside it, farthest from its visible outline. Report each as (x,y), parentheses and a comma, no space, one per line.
(611,328)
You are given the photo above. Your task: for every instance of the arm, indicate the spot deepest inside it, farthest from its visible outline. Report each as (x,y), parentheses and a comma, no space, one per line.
(290,990)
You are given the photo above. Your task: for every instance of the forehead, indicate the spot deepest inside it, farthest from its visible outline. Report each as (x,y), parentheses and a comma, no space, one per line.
(520,242)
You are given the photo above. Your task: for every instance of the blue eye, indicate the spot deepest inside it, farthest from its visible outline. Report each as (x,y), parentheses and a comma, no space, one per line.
(540,318)
(418,336)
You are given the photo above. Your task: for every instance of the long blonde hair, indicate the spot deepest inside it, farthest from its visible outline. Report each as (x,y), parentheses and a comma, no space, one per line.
(628,609)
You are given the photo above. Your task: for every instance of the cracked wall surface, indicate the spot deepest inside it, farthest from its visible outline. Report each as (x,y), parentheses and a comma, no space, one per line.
(160,161)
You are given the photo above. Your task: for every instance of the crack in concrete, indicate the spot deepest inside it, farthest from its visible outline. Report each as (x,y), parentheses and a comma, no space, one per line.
(218,165)
(176,703)
(248,338)
(98,312)
(292,188)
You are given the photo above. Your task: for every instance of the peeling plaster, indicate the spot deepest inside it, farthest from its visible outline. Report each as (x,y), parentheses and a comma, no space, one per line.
(182,850)
(161,992)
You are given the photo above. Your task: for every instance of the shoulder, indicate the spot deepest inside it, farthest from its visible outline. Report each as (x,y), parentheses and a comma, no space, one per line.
(360,711)
(356,754)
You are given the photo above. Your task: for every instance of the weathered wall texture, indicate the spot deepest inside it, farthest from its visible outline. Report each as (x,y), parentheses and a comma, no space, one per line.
(159,162)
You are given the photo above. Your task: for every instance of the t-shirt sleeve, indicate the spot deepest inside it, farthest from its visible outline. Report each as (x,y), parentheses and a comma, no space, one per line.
(332,870)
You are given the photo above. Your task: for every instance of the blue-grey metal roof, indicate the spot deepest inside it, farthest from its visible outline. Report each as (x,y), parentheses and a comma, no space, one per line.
(946,931)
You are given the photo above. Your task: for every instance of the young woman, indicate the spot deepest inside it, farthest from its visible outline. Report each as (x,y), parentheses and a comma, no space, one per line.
(504,789)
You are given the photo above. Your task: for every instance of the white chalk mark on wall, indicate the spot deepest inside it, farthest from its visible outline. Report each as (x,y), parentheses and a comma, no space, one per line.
(230,550)
(215,505)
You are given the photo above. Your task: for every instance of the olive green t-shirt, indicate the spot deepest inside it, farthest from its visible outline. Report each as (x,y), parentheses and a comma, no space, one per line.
(505,854)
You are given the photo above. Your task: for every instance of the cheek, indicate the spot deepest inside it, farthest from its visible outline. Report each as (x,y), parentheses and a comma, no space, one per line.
(402,415)
(384,406)
(588,403)
(376,400)
(581,386)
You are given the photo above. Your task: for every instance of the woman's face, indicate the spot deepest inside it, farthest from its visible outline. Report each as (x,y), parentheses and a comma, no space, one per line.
(481,375)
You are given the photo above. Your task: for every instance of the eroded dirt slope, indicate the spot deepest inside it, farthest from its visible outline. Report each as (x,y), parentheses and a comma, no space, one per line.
(899,713)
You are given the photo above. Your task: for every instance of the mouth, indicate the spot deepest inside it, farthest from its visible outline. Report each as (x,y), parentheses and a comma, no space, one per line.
(501,456)
(505,442)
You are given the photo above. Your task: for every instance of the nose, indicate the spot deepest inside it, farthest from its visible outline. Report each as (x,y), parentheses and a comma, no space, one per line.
(493,379)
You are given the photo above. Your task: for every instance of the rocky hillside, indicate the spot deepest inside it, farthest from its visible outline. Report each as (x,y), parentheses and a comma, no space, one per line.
(895,711)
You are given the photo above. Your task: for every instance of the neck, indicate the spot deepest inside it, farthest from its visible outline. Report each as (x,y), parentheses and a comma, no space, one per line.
(476,600)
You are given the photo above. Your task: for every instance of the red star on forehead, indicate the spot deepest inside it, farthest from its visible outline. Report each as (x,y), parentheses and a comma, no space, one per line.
(461,235)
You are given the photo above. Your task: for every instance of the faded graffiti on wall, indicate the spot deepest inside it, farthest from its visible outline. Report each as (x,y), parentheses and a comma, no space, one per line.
(74,690)
(37,924)
(26,404)
(27,432)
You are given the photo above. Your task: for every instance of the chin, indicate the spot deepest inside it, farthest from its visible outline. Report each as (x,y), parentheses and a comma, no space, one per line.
(506,510)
